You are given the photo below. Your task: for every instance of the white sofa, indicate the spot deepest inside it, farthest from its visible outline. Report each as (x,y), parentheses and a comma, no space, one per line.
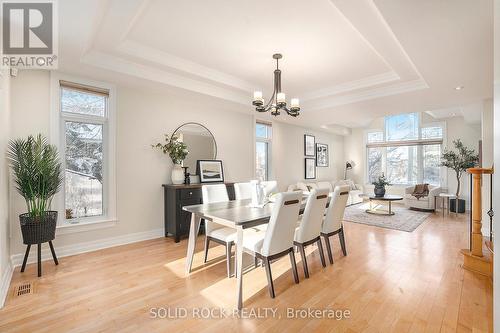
(426,203)
(355,192)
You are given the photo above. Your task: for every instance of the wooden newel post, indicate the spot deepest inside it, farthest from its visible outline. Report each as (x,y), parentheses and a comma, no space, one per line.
(477,213)
(474,259)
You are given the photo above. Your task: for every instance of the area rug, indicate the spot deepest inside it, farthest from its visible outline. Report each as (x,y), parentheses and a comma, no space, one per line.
(403,219)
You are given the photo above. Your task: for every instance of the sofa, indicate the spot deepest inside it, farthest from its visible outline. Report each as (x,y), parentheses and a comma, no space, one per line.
(427,203)
(355,192)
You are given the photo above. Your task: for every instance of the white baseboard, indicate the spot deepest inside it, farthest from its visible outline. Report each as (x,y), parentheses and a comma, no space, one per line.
(69,250)
(5,284)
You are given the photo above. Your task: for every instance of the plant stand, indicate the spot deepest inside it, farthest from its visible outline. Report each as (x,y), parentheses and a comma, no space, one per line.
(28,248)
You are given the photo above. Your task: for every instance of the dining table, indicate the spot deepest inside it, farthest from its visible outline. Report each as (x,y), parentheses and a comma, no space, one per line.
(237,214)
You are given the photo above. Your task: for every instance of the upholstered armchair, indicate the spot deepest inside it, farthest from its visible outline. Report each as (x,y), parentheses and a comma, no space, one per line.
(426,203)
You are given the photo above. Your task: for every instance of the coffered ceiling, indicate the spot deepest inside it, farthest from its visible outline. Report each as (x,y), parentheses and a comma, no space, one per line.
(349,61)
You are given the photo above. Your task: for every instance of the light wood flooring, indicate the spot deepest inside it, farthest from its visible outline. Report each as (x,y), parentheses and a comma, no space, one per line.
(391,281)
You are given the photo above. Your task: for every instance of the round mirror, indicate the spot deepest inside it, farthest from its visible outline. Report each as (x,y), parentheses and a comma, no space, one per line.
(200,143)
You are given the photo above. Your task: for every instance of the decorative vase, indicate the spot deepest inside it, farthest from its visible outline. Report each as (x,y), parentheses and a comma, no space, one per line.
(177,175)
(379,191)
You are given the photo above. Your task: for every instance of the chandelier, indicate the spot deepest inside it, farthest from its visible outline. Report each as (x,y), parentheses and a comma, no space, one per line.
(277,102)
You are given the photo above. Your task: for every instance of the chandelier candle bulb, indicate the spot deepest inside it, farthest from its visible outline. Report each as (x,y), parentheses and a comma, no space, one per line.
(281,97)
(257,96)
(294,103)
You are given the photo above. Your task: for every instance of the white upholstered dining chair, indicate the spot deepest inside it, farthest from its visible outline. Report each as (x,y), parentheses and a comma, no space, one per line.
(277,240)
(243,191)
(332,223)
(270,187)
(308,231)
(214,231)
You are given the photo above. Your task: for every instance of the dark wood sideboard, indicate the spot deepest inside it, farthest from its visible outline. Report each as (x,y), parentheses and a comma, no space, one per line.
(175,197)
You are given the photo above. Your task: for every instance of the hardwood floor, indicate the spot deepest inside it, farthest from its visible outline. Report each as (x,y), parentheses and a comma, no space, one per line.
(390,281)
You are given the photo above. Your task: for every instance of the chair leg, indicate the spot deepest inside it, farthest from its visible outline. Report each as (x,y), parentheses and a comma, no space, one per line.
(342,241)
(53,253)
(207,242)
(255,262)
(26,255)
(304,260)
(39,259)
(328,249)
(270,285)
(321,253)
(228,258)
(294,266)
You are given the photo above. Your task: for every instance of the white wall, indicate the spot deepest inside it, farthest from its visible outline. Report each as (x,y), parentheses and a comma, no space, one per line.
(5,269)
(142,119)
(496,195)
(456,127)
(288,154)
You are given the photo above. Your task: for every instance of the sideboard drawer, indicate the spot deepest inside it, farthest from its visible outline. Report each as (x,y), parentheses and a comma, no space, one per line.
(190,194)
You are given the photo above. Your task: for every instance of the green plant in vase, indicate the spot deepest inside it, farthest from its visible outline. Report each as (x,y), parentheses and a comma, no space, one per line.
(38,177)
(178,151)
(380,185)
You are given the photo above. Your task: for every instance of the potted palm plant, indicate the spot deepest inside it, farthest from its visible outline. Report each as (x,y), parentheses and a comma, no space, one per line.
(37,176)
(459,161)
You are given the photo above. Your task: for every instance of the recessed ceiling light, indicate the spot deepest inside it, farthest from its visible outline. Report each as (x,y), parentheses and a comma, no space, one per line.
(459,88)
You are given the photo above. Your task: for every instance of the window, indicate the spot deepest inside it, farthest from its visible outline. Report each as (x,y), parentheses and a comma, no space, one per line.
(374,163)
(263,139)
(84,122)
(402,127)
(405,151)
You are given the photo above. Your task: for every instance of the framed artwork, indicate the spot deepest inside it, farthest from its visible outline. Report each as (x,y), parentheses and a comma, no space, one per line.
(210,171)
(322,155)
(309,168)
(309,145)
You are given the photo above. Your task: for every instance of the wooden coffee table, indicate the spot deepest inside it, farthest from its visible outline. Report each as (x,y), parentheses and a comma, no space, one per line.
(386,198)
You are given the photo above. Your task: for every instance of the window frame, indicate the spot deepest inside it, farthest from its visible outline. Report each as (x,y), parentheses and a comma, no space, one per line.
(419,143)
(269,142)
(58,138)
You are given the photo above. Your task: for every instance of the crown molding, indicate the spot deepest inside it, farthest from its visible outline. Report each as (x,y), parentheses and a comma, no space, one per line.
(393,89)
(156,56)
(352,85)
(123,66)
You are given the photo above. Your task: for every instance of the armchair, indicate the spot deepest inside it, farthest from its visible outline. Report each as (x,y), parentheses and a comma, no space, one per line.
(427,203)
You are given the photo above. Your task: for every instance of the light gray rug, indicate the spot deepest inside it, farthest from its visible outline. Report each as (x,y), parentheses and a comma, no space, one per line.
(403,219)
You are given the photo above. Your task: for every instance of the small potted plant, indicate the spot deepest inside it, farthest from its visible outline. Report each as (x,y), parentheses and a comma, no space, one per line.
(459,161)
(380,185)
(178,151)
(37,176)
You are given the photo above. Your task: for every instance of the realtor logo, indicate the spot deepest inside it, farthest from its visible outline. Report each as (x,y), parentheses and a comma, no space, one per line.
(29,38)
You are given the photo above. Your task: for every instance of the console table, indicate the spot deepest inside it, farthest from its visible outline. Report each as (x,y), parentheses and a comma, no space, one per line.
(175,197)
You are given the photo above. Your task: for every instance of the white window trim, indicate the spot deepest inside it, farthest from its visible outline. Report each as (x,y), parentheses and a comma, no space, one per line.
(109,218)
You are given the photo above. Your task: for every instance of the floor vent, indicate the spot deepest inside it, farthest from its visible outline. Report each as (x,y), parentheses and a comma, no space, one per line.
(23,289)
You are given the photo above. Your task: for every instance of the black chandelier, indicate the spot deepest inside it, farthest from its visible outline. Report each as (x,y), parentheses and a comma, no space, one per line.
(277,102)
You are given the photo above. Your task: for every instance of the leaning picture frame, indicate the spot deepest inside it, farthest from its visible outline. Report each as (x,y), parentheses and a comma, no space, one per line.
(210,171)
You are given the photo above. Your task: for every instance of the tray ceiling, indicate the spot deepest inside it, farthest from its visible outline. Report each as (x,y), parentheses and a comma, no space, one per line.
(346,60)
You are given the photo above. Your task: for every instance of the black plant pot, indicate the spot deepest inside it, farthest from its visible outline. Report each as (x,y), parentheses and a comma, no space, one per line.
(379,191)
(37,230)
(461,206)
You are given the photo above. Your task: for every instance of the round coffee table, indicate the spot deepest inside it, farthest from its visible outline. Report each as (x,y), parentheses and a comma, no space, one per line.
(387,198)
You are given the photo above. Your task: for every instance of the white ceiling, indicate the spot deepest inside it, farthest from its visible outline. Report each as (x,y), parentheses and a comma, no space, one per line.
(348,61)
